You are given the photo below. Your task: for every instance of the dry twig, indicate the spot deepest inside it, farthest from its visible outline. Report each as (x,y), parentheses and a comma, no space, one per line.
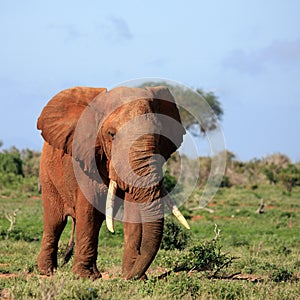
(12,219)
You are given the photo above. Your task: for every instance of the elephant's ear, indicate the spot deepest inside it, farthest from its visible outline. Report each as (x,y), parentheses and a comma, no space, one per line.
(59,117)
(172,129)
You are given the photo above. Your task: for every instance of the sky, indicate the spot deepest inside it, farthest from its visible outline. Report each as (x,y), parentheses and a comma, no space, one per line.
(246,52)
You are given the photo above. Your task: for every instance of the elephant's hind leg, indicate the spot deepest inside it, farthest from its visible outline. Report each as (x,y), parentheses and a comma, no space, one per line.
(54,223)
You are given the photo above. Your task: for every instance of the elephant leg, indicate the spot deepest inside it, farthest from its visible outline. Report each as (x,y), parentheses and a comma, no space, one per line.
(88,223)
(132,243)
(54,224)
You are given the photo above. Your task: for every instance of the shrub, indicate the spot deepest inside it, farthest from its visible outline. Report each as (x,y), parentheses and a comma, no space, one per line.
(11,162)
(170,183)
(174,236)
(271,175)
(225,182)
(19,170)
(289,177)
(10,180)
(202,256)
(282,275)
(31,162)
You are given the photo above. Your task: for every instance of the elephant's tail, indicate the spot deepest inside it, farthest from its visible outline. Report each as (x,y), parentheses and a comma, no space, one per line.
(69,249)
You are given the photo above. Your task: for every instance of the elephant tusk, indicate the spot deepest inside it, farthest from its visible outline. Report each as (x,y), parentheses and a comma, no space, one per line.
(176,212)
(112,189)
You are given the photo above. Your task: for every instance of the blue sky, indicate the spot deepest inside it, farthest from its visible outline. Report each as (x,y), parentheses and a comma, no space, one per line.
(246,52)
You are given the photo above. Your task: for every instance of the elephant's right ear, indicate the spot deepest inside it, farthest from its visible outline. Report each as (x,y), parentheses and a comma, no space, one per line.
(59,117)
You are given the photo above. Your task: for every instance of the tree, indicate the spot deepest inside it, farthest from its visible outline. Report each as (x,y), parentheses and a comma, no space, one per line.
(206,103)
(213,102)
(289,177)
(277,159)
(274,165)
(270,173)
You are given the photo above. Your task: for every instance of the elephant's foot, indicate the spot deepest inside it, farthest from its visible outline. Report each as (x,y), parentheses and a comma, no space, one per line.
(46,265)
(82,270)
(130,277)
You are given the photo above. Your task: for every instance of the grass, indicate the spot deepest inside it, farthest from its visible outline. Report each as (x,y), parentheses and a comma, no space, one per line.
(266,247)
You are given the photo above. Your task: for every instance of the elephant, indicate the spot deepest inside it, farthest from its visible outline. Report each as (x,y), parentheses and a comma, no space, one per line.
(110,158)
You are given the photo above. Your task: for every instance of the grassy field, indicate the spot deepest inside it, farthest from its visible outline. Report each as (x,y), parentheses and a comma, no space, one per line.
(266,248)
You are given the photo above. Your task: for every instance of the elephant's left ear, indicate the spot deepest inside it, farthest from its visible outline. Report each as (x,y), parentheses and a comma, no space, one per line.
(172,129)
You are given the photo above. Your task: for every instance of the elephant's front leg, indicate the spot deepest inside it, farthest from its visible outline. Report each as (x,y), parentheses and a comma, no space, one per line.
(132,235)
(88,223)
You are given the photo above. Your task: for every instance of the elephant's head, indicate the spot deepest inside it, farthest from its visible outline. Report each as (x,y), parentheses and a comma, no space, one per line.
(126,134)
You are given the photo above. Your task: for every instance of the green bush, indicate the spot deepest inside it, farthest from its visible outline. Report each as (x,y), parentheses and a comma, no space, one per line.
(19,171)
(174,236)
(170,183)
(10,180)
(225,182)
(25,162)
(289,177)
(271,175)
(31,162)
(11,162)
(282,275)
(202,256)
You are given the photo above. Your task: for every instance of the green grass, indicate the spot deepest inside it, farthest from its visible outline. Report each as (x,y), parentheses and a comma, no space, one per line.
(266,247)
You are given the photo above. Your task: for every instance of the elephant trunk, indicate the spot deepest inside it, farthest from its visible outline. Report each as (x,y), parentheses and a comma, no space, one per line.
(135,268)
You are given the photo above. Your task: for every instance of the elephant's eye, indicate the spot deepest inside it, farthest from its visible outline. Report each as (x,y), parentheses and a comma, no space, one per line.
(111,134)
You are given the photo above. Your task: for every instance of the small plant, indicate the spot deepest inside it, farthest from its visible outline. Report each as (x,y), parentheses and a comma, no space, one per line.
(283,250)
(282,275)
(174,236)
(205,256)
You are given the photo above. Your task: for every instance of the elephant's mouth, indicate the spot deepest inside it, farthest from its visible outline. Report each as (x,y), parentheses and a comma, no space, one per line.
(166,199)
